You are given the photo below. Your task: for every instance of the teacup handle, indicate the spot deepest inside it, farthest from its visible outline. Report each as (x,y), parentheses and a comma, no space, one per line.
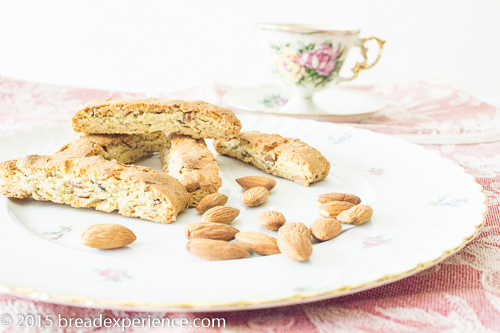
(364,64)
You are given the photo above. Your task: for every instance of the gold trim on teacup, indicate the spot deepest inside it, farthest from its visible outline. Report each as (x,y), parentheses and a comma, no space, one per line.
(304,28)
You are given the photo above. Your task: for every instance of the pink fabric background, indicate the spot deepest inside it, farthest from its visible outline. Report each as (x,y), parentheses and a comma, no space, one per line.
(461,294)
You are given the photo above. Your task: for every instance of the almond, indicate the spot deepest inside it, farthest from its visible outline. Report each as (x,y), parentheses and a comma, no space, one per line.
(255,196)
(256,181)
(108,236)
(210,249)
(257,242)
(327,197)
(211,201)
(325,229)
(333,208)
(296,227)
(356,215)
(210,230)
(220,214)
(271,219)
(294,243)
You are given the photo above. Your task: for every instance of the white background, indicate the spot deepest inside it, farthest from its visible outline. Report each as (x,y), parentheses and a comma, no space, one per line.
(154,46)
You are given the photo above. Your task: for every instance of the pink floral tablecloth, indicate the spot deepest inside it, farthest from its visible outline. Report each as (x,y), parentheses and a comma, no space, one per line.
(461,294)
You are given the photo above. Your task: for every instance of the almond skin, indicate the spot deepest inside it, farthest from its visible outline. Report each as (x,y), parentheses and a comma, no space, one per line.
(211,201)
(325,229)
(255,196)
(210,249)
(327,197)
(210,230)
(333,208)
(296,227)
(271,219)
(256,181)
(220,214)
(294,243)
(356,215)
(258,242)
(107,236)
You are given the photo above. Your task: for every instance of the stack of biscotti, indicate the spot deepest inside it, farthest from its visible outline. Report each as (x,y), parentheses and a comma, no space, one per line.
(184,153)
(89,171)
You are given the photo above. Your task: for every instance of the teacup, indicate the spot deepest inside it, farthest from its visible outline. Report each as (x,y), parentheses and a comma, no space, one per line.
(308,58)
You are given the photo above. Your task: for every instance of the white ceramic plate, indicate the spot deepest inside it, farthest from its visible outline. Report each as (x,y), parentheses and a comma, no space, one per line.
(335,104)
(425,208)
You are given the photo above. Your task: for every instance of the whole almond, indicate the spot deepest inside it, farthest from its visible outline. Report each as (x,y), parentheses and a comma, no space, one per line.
(294,244)
(255,196)
(356,215)
(107,236)
(334,208)
(257,242)
(211,201)
(220,214)
(256,181)
(271,219)
(210,230)
(327,197)
(210,249)
(325,229)
(296,227)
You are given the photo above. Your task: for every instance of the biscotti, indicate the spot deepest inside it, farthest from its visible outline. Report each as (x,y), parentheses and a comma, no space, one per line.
(193,164)
(125,148)
(283,157)
(147,115)
(95,182)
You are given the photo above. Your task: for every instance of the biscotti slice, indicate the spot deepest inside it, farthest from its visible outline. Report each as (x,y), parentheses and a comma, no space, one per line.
(193,164)
(125,148)
(147,115)
(95,182)
(283,157)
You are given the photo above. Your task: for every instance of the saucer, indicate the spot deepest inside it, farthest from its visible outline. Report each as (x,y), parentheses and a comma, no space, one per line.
(335,104)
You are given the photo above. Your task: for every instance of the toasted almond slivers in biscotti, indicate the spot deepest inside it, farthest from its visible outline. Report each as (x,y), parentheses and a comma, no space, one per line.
(356,215)
(125,148)
(220,214)
(257,242)
(271,220)
(108,236)
(190,161)
(283,157)
(325,229)
(197,119)
(294,243)
(256,181)
(255,196)
(94,182)
(333,208)
(211,201)
(210,230)
(210,249)
(327,197)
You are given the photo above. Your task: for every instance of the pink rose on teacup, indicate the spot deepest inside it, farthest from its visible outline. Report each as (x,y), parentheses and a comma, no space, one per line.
(322,59)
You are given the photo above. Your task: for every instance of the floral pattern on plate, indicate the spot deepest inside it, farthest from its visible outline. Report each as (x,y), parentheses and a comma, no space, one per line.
(115,275)
(58,233)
